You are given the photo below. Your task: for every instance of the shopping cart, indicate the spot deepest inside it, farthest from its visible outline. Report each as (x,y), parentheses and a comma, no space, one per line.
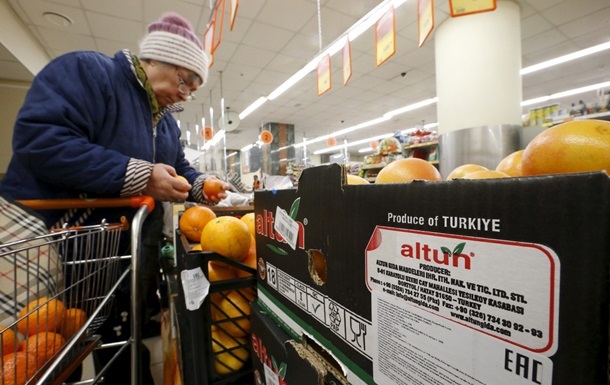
(69,268)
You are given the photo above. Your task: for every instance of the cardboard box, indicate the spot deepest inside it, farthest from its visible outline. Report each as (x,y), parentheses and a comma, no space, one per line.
(277,358)
(500,281)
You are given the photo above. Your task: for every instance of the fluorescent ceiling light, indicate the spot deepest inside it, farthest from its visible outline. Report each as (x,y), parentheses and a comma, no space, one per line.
(259,102)
(368,149)
(565,58)
(564,94)
(351,144)
(246,148)
(343,131)
(294,79)
(411,107)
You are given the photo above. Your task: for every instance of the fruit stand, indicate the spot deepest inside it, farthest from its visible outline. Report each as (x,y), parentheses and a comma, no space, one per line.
(210,300)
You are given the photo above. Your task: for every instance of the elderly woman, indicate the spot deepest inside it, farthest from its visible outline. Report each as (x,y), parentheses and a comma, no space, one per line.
(99,126)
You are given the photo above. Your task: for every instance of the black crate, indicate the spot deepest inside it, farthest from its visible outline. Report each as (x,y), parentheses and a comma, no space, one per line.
(199,362)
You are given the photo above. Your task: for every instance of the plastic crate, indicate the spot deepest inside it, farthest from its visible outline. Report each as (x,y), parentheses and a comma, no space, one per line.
(199,363)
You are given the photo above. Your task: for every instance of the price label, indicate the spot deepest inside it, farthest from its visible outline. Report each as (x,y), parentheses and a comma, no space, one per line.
(286,227)
(196,287)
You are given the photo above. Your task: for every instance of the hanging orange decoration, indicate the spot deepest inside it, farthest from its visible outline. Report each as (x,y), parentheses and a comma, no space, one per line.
(208,133)
(331,141)
(266,137)
(374,144)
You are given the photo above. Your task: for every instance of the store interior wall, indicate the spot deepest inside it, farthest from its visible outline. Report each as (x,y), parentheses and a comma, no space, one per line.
(12,95)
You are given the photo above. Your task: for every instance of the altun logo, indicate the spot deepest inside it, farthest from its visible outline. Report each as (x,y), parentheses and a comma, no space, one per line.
(444,256)
(265,227)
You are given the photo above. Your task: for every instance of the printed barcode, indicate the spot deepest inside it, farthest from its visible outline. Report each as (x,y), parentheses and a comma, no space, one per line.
(283,227)
(290,236)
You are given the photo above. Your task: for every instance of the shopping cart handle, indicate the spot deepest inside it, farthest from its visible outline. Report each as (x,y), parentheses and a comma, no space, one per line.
(57,204)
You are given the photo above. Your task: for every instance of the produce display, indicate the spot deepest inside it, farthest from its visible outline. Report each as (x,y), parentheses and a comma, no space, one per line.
(229,310)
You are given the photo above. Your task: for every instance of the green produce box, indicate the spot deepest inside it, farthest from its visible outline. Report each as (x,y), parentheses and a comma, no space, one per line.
(497,282)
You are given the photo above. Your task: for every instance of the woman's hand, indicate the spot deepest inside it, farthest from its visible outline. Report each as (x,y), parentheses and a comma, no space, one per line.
(164,185)
(214,190)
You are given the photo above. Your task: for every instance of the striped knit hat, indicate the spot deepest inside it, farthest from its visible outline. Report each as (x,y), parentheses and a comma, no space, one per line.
(171,40)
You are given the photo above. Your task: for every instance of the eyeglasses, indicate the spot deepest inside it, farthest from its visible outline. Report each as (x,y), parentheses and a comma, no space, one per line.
(184,89)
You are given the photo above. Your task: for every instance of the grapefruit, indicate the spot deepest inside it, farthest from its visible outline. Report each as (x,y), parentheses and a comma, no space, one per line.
(227,236)
(511,164)
(576,146)
(248,219)
(486,174)
(407,170)
(465,169)
(230,353)
(354,179)
(233,314)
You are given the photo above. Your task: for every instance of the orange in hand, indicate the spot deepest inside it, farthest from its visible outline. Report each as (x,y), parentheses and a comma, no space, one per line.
(183,179)
(212,187)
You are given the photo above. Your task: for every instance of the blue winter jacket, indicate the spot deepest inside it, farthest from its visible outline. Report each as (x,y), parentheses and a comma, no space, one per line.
(83,119)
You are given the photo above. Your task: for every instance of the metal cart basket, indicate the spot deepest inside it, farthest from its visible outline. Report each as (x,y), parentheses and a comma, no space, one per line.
(66,280)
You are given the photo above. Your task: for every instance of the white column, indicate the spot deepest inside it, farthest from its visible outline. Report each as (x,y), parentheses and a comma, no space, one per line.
(478,59)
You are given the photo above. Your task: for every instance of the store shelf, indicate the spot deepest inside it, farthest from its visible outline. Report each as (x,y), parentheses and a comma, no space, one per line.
(374,166)
(425,144)
(599,115)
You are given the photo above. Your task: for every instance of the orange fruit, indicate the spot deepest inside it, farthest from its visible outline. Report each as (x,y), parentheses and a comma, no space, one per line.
(9,340)
(236,306)
(184,180)
(511,164)
(355,179)
(218,271)
(75,319)
(249,220)
(408,170)
(212,187)
(230,353)
(249,260)
(18,368)
(227,236)
(576,146)
(486,174)
(465,169)
(49,317)
(43,345)
(193,220)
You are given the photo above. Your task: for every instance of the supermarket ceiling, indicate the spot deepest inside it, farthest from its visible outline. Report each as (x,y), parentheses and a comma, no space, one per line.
(273,39)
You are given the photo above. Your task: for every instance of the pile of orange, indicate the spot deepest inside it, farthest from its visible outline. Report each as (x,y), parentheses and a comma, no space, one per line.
(571,147)
(193,220)
(45,324)
(40,315)
(408,170)
(230,353)
(18,368)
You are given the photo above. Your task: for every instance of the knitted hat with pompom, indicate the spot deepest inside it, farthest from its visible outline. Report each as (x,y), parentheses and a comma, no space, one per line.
(171,40)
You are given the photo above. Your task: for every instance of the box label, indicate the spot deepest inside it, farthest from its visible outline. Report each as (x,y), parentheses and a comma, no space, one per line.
(496,296)
(346,324)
